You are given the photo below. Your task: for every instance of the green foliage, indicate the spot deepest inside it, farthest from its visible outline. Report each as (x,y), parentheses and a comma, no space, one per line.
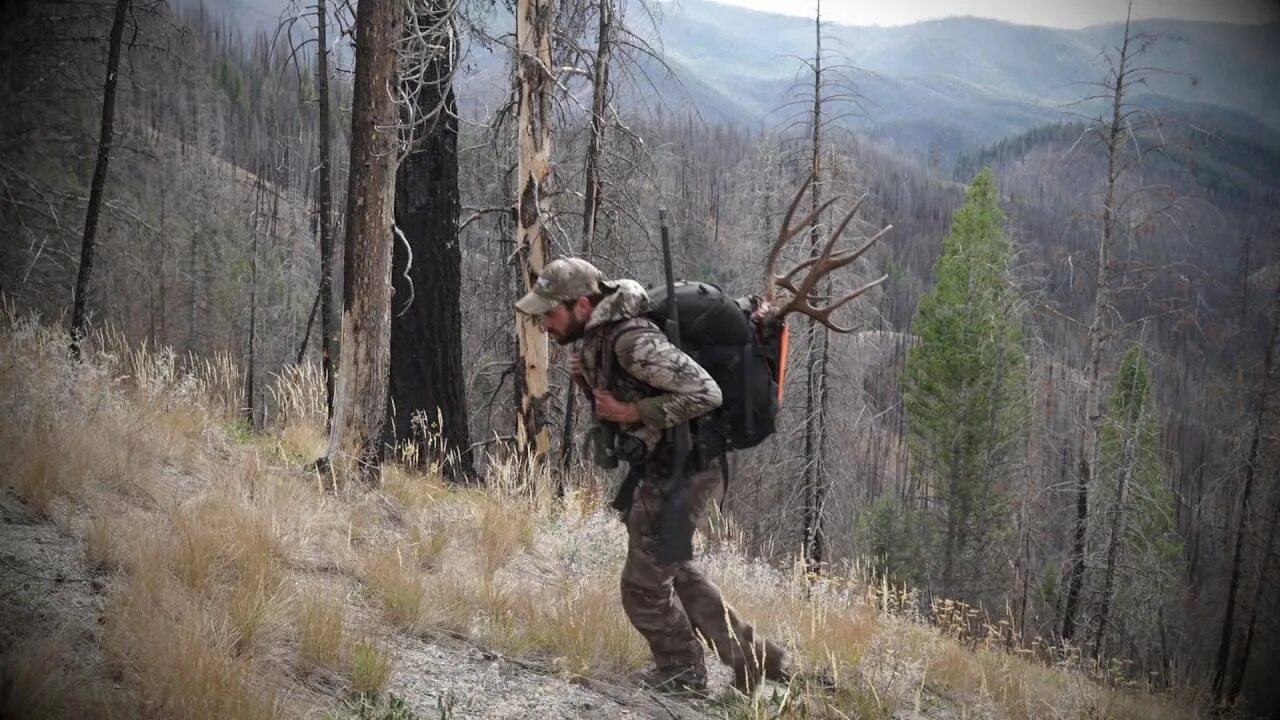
(1129,442)
(230,81)
(888,532)
(964,392)
(1150,550)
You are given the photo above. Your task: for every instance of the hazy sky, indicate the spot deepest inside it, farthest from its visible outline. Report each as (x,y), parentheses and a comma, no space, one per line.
(1055,13)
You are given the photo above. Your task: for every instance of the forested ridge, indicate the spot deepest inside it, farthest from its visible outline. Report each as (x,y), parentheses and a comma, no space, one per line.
(1054,425)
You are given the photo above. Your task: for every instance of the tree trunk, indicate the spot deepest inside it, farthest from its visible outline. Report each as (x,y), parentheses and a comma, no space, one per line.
(591,193)
(818,337)
(1223,692)
(324,201)
(427,380)
(360,400)
(105,137)
(1117,533)
(1097,340)
(533,43)
(249,415)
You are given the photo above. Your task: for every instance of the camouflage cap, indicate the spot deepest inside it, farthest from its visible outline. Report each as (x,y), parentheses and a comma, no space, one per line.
(561,280)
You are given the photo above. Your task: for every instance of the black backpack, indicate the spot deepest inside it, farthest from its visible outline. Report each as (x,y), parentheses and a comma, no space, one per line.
(741,355)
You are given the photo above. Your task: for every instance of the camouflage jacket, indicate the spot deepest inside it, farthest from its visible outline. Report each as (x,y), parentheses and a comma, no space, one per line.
(628,354)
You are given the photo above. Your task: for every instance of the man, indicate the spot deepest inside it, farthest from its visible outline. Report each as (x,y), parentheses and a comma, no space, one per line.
(641,386)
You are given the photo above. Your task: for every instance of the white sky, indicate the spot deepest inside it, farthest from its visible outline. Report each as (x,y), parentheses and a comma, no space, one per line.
(1054,13)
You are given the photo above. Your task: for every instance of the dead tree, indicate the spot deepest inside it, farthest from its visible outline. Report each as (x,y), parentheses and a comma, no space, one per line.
(804,294)
(360,401)
(827,85)
(324,206)
(533,73)
(105,137)
(1122,124)
(1226,680)
(428,399)
(816,376)
(593,185)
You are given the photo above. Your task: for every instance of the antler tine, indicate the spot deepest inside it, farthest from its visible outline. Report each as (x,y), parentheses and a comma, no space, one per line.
(783,237)
(823,315)
(788,231)
(839,260)
(784,281)
(852,295)
(825,263)
(821,266)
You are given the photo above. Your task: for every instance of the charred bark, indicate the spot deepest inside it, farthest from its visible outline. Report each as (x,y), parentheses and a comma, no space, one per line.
(428,399)
(106,136)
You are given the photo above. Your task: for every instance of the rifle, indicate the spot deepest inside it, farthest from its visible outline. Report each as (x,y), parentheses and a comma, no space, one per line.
(676,523)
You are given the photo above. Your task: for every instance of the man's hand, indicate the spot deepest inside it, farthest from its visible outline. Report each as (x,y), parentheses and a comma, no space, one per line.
(610,408)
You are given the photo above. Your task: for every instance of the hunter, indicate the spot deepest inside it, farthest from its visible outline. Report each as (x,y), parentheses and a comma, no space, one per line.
(640,386)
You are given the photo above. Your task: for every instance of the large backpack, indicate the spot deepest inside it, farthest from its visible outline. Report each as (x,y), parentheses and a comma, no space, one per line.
(743,356)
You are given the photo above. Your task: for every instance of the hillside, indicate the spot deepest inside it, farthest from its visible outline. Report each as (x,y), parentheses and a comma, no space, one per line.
(175,490)
(982,79)
(162,561)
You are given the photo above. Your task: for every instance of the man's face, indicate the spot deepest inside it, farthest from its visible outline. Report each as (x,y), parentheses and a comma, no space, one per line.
(566,323)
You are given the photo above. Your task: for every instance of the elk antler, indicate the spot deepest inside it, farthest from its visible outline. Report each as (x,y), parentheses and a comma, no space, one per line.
(818,266)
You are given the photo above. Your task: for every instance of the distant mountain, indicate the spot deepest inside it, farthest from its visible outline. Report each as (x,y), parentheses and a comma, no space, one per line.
(967,80)
(934,89)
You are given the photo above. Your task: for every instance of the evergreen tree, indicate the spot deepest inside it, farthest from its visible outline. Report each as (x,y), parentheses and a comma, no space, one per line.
(1139,506)
(964,395)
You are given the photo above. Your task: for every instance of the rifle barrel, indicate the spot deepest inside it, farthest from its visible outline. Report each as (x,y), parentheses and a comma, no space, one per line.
(673,319)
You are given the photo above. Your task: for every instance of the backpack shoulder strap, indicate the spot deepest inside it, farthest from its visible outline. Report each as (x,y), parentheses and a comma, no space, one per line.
(608,349)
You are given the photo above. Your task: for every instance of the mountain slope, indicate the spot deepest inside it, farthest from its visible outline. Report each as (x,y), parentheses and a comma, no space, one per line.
(161,561)
(986,78)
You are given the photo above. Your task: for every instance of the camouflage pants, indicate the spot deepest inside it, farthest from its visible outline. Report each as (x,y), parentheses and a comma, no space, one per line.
(673,604)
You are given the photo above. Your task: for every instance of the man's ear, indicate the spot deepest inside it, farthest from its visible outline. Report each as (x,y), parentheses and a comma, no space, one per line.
(583,306)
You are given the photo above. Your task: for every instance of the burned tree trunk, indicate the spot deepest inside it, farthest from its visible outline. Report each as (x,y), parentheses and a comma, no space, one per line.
(594,184)
(1099,332)
(105,138)
(324,201)
(818,339)
(428,398)
(1226,683)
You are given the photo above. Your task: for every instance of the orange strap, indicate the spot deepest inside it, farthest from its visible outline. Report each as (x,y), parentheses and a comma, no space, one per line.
(782,361)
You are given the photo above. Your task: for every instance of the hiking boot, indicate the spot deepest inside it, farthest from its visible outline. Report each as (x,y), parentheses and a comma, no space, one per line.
(817,679)
(746,680)
(748,676)
(677,679)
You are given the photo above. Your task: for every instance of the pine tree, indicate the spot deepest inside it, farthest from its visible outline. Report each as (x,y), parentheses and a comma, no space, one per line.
(964,391)
(1140,535)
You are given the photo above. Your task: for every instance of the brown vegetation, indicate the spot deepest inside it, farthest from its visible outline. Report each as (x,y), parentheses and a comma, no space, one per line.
(234,585)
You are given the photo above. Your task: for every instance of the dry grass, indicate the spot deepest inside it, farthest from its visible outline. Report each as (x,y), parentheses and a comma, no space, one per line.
(215,608)
(370,667)
(181,654)
(504,530)
(42,680)
(394,576)
(414,490)
(319,630)
(589,631)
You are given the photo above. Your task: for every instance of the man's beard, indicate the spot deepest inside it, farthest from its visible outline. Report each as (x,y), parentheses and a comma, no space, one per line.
(574,332)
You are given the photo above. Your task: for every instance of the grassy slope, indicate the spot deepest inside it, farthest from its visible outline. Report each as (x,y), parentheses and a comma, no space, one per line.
(230,582)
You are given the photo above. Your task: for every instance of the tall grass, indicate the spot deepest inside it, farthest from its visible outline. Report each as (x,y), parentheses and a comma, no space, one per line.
(234,577)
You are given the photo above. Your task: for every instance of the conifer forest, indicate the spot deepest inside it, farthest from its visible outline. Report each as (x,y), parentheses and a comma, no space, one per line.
(1060,411)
